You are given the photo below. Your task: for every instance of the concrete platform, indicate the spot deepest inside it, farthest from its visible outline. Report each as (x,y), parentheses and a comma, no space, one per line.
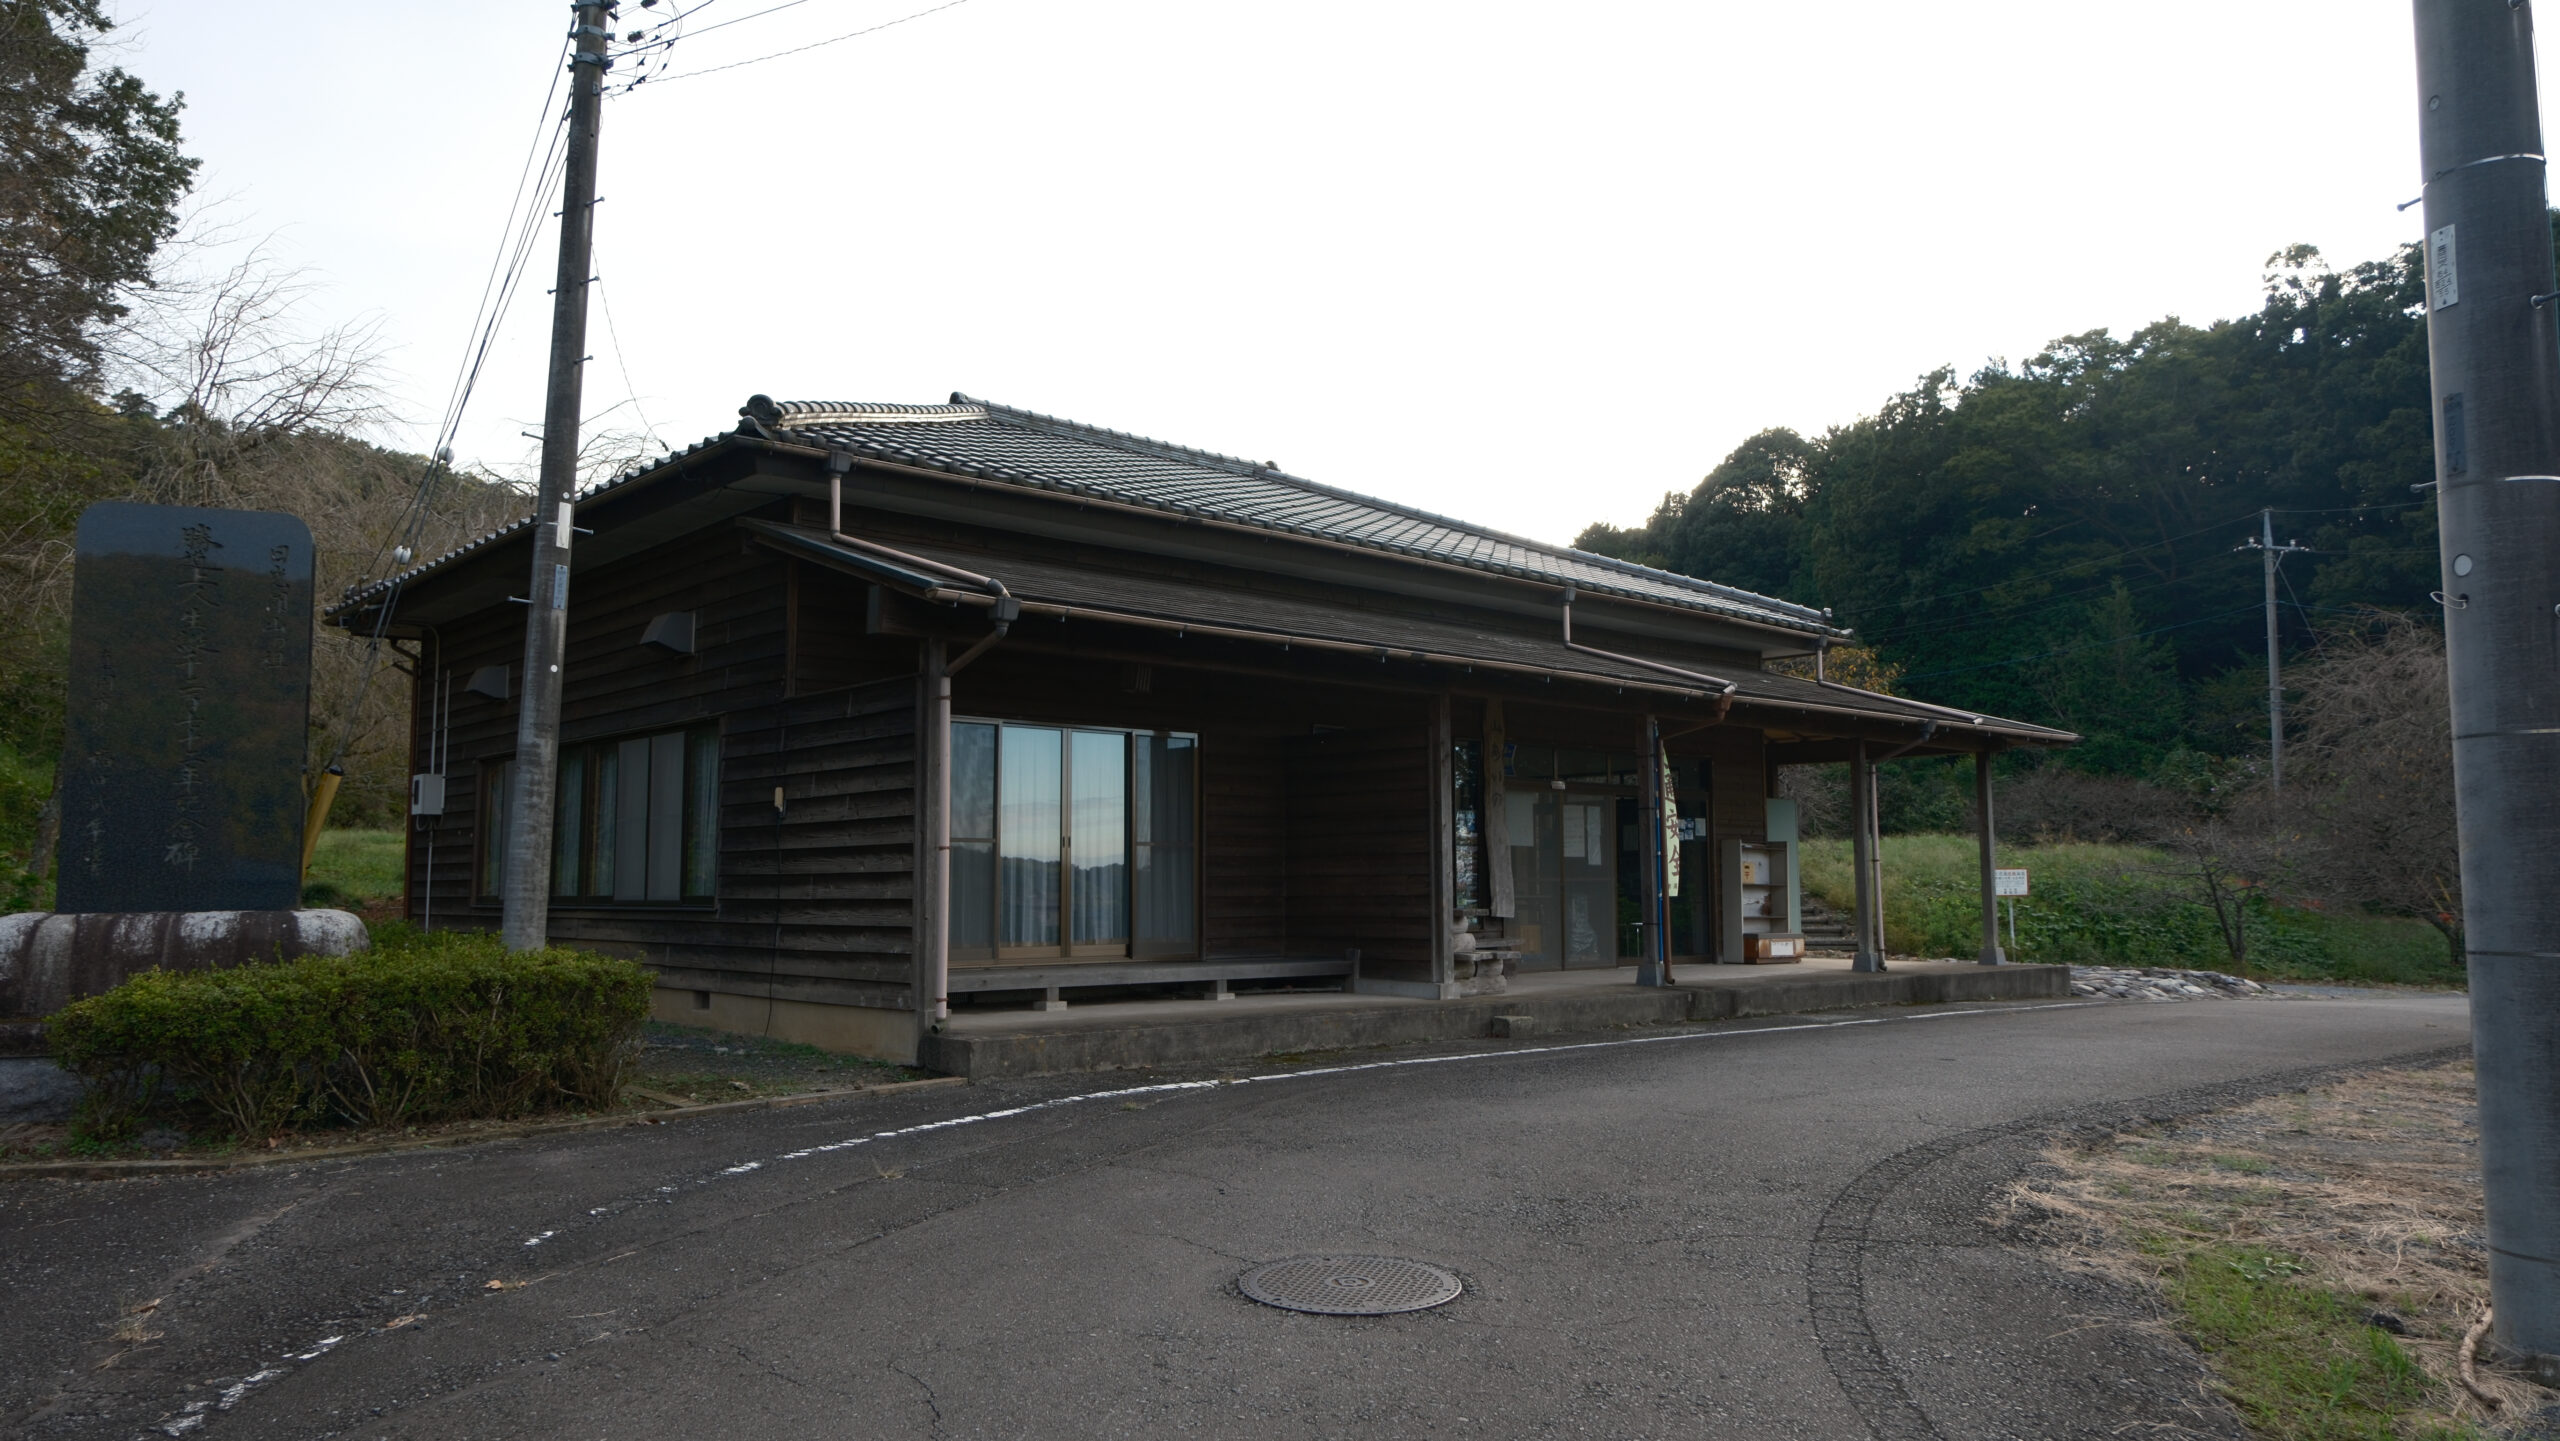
(1127,1034)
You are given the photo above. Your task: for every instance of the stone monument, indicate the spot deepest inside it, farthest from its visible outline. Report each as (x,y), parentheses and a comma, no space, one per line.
(190,704)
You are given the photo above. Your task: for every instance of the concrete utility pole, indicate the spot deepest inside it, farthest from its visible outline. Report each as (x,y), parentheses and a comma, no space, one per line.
(2274,555)
(2495,361)
(527,893)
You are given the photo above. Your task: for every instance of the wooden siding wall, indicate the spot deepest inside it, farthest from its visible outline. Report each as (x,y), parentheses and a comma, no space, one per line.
(840,879)
(1246,726)
(828,647)
(1360,849)
(1311,843)
(1244,797)
(1738,776)
(817,900)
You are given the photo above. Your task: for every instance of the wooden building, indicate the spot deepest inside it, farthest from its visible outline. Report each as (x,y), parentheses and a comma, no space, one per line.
(873,709)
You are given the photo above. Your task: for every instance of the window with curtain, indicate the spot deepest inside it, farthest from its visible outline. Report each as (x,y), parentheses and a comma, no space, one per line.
(1072,842)
(636,821)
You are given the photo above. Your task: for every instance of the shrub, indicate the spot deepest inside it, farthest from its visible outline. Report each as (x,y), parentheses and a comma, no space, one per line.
(421,1028)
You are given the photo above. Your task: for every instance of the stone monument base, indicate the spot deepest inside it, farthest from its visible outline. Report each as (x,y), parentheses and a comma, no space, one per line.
(49,960)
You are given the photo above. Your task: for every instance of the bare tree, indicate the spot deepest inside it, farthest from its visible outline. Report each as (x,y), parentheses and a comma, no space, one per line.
(2366,820)
(228,363)
(2051,802)
(258,408)
(2215,861)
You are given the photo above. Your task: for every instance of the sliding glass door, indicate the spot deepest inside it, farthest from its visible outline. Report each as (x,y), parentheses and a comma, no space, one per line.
(1098,842)
(1072,843)
(1028,776)
(1166,881)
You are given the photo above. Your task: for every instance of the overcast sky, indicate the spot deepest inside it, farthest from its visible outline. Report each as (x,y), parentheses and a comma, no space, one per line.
(1532,265)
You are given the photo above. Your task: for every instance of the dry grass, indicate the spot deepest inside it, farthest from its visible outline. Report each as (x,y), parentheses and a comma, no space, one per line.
(133,1327)
(2349,1208)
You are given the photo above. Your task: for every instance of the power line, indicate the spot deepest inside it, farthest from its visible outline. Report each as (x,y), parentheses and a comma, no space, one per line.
(812,45)
(2085,645)
(2075,565)
(535,181)
(725,24)
(1918,628)
(457,396)
(2023,609)
(2344,509)
(605,299)
(659,45)
(2147,545)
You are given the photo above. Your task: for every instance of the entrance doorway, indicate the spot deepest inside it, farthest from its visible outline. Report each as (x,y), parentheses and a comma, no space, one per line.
(1587,880)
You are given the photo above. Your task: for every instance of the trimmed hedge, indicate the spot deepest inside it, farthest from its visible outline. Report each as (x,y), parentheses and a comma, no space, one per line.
(424,1027)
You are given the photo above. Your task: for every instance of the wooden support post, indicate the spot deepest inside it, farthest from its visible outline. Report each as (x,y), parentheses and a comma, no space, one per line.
(1495,824)
(1443,850)
(1991,952)
(1863,845)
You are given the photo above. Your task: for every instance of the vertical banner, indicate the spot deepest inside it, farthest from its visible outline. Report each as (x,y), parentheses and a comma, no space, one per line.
(1670,823)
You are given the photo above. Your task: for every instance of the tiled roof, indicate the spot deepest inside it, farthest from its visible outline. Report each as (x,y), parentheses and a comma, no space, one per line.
(1100,593)
(357,595)
(990,442)
(1038,452)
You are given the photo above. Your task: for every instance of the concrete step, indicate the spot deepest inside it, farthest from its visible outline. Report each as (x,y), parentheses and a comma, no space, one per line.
(1128,1035)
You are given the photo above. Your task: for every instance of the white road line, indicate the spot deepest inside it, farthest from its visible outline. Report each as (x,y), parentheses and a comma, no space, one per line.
(193,1415)
(1177,1087)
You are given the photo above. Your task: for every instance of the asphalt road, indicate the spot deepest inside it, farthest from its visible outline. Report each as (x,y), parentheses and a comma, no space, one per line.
(1750,1231)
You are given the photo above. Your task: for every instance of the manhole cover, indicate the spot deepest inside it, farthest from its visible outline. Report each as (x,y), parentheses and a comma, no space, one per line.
(1350,1285)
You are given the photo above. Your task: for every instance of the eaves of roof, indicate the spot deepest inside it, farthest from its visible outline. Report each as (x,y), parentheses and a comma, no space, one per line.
(1061,590)
(359,597)
(1036,453)
(989,442)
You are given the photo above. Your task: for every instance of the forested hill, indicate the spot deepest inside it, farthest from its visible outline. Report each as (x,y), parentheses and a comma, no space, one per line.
(2056,540)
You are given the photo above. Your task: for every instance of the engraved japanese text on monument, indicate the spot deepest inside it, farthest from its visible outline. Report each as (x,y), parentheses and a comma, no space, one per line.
(190,698)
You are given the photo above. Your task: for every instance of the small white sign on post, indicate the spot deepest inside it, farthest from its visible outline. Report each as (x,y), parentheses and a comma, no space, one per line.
(2008,883)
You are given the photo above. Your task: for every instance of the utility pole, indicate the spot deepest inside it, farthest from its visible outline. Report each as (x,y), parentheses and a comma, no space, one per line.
(527,892)
(2274,554)
(2494,359)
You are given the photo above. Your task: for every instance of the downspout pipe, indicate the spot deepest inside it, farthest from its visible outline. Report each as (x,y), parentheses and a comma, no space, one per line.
(937,937)
(1003,610)
(1724,688)
(839,462)
(1927,729)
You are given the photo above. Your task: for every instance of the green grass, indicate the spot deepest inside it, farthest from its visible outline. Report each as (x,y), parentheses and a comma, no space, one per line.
(354,868)
(2299,1362)
(24,785)
(2106,905)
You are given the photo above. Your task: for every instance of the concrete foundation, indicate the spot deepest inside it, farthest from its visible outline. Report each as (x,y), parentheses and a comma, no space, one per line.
(853,1030)
(1124,1035)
